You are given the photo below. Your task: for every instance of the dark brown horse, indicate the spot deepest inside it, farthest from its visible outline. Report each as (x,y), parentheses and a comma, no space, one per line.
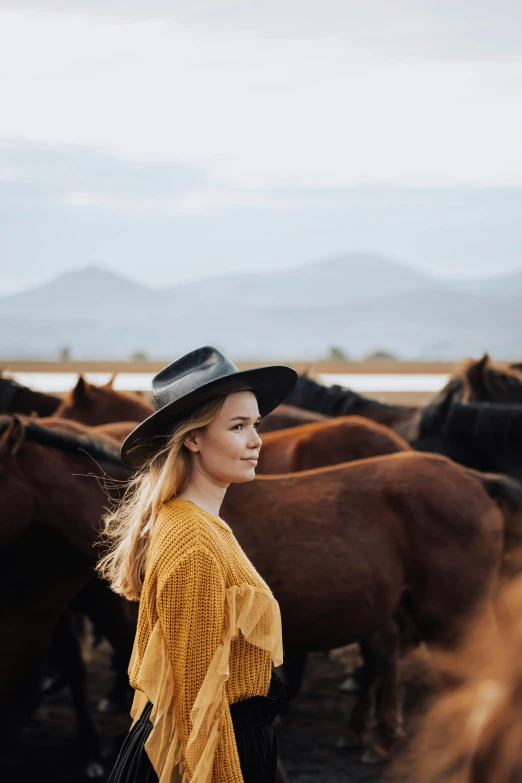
(338,401)
(483,436)
(17,398)
(111,615)
(487,381)
(341,546)
(51,503)
(478,381)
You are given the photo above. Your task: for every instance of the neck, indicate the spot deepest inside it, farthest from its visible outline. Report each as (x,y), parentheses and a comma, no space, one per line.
(204,492)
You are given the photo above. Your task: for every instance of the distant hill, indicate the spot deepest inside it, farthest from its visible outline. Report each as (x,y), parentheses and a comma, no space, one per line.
(506,287)
(358,302)
(84,293)
(341,280)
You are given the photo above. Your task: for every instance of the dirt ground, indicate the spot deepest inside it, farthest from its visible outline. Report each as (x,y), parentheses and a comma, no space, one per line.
(48,749)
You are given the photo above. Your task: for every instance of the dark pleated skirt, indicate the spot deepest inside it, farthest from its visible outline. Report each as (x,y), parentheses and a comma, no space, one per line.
(256,740)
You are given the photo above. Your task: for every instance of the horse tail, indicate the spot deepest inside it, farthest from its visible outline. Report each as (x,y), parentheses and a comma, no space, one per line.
(506,492)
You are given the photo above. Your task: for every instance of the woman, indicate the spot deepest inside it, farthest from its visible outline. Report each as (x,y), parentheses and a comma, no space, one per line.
(208,626)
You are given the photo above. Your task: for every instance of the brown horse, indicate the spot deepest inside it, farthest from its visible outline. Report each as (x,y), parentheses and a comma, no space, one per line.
(329,442)
(94,405)
(472,733)
(341,546)
(285,416)
(51,503)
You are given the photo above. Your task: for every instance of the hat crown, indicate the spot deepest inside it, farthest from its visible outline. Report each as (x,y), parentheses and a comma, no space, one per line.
(190,372)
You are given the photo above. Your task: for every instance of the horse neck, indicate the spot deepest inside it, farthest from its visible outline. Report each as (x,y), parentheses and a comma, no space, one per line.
(30,402)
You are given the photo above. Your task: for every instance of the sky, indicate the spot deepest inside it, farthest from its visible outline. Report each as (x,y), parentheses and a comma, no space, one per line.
(174,140)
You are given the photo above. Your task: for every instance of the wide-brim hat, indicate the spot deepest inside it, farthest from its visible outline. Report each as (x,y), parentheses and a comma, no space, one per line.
(196,378)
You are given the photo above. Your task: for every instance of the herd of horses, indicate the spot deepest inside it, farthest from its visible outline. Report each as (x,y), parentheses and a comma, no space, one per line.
(372,523)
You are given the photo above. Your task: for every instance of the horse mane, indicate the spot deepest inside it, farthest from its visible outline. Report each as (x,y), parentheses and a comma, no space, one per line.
(434,414)
(80,443)
(492,421)
(332,400)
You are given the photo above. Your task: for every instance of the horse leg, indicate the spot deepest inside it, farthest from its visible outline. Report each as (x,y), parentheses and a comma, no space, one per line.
(387,731)
(293,670)
(358,728)
(380,653)
(65,649)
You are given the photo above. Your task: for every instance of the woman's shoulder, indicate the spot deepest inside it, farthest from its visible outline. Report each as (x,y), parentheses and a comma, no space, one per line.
(181,529)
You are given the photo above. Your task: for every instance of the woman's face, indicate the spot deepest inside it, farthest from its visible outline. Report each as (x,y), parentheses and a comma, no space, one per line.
(226,450)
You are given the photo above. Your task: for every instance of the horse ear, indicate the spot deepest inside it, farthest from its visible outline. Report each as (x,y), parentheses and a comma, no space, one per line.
(476,385)
(80,390)
(309,372)
(111,380)
(12,438)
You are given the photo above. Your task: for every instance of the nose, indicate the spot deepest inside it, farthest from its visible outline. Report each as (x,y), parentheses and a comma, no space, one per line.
(255,441)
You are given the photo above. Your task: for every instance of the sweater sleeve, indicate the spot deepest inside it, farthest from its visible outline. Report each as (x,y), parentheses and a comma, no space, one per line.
(191,612)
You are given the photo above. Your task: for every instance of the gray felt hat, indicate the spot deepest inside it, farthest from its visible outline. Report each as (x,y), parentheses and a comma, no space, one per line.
(194,379)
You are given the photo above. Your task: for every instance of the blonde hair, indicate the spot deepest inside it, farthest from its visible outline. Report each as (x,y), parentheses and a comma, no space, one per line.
(129,525)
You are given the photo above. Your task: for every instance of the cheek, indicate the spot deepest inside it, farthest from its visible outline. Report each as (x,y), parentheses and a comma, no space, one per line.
(227,445)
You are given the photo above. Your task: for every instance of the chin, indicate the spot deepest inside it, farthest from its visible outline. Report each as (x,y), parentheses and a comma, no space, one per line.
(250,476)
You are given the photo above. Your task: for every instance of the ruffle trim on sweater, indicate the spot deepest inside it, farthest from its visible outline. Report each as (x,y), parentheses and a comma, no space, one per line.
(247,609)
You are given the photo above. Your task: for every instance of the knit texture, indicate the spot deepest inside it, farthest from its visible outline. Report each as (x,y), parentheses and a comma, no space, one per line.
(208,628)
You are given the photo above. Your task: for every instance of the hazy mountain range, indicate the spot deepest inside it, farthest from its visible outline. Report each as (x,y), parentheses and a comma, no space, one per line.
(356,302)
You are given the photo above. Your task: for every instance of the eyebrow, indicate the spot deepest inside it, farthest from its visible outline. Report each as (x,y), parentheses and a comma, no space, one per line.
(244,418)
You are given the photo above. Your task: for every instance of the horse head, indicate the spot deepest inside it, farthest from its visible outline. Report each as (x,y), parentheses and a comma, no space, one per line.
(485,381)
(95,405)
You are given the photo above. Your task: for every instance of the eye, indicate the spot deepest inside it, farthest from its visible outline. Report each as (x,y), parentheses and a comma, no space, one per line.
(240,426)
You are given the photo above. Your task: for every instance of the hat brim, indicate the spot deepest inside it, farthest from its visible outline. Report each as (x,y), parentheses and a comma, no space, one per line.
(271,385)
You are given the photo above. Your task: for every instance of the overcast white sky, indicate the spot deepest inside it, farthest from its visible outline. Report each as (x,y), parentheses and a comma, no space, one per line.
(180,120)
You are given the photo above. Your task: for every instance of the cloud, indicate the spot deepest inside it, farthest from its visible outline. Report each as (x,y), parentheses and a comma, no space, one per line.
(404,29)
(258,112)
(161,223)
(73,174)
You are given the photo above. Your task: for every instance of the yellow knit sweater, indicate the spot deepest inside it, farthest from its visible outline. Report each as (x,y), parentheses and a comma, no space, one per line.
(208,628)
